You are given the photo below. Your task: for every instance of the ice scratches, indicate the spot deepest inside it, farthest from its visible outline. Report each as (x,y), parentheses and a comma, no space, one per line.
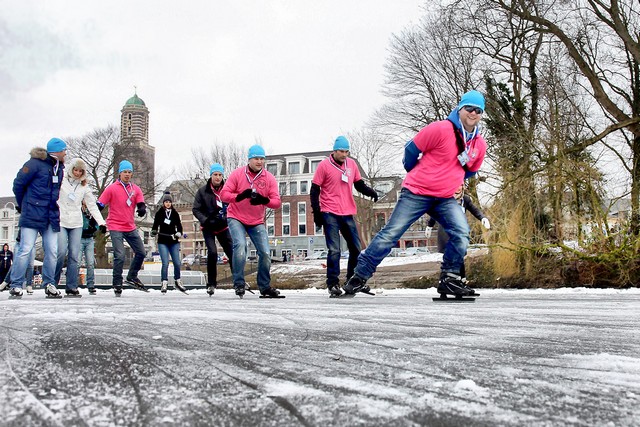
(279,400)
(30,398)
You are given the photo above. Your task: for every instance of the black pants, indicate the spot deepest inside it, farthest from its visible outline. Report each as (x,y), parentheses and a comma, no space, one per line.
(224,237)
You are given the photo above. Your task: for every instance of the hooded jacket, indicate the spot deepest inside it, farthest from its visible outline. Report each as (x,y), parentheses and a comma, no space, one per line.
(37,187)
(212,217)
(72,192)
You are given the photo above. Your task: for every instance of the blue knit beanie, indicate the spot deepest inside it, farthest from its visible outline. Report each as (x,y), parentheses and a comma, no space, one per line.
(256,151)
(472,98)
(56,145)
(216,167)
(341,143)
(125,165)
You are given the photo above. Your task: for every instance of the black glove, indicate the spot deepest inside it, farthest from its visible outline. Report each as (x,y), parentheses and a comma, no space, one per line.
(318,219)
(259,199)
(375,197)
(244,195)
(154,232)
(142,209)
(103,229)
(100,206)
(18,209)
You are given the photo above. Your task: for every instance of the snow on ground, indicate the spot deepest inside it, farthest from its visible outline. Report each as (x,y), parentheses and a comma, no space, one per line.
(514,357)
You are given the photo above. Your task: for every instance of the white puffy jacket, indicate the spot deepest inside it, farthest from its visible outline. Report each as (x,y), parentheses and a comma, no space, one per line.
(72,192)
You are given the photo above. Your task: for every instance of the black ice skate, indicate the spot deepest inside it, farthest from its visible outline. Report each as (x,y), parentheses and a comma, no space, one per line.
(72,293)
(117,290)
(334,291)
(271,293)
(240,291)
(211,289)
(51,291)
(356,284)
(15,293)
(92,291)
(452,284)
(137,284)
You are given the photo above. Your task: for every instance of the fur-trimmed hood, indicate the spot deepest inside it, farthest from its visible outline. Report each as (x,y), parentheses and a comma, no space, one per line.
(38,153)
(77,163)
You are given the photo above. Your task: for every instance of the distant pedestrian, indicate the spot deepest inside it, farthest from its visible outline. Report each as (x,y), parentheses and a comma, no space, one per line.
(124,199)
(37,187)
(168,227)
(211,212)
(73,193)
(437,161)
(29,273)
(250,190)
(6,258)
(334,208)
(87,246)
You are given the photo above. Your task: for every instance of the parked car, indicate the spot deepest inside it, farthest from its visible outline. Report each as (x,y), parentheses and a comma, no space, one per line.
(414,251)
(317,255)
(394,252)
(344,254)
(189,259)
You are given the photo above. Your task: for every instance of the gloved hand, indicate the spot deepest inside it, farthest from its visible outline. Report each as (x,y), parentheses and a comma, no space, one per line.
(427,232)
(103,229)
(485,223)
(177,236)
(154,233)
(259,199)
(244,195)
(142,209)
(318,219)
(100,206)
(375,198)
(18,209)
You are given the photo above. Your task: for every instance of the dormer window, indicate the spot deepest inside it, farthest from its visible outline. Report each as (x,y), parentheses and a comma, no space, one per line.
(294,168)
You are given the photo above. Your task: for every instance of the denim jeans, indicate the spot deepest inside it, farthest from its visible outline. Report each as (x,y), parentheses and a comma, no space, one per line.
(224,238)
(69,245)
(86,249)
(411,207)
(166,250)
(258,235)
(334,225)
(22,259)
(134,240)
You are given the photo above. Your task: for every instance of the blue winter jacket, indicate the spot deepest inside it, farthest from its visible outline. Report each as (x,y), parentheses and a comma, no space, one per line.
(36,193)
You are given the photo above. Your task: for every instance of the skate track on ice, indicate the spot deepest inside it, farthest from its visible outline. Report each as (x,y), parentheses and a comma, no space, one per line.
(513,358)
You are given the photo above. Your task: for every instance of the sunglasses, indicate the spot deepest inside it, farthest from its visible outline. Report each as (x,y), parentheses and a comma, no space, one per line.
(471,109)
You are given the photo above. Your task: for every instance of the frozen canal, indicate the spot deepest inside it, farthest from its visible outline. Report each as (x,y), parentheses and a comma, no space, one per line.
(513,358)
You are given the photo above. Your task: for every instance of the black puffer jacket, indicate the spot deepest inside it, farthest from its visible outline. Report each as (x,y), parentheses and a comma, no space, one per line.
(212,217)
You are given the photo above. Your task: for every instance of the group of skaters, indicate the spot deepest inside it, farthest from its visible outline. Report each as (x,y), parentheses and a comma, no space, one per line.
(61,207)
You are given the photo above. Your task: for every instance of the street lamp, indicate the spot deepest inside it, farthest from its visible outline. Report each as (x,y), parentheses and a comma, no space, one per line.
(13,223)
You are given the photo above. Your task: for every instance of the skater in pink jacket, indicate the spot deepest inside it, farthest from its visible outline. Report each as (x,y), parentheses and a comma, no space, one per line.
(250,190)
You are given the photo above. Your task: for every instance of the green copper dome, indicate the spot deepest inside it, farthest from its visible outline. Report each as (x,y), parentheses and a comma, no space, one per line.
(135,100)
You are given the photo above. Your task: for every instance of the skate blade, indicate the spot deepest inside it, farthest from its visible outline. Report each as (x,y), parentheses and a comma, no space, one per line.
(270,297)
(444,298)
(54,297)
(73,296)
(15,297)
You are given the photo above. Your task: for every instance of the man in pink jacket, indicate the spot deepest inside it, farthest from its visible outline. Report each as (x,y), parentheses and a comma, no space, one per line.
(249,191)
(437,161)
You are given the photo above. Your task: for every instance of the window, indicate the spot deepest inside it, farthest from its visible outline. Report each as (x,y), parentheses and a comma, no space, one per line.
(272,168)
(5,233)
(294,168)
(314,165)
(304,187)
(286,219)
(5,214)
(293,188)
(283,188)
(302,218)
(271,222)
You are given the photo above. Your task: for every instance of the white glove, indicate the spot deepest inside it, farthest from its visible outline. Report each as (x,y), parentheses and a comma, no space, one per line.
(178,235)
(427,232)
(485,223)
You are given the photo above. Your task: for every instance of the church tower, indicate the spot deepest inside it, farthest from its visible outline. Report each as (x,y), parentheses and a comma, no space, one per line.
(134,145)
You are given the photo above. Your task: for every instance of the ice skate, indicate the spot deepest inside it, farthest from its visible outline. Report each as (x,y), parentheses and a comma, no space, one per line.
(179,286)
(163,286)
(211,289)
(51,291)
(334,291)
(240,291)
(117,290)
(452,284)
(92,291)
(15,293)
(136,283)
(72,293)
(356,284)
(270,293)
(4,286)
(29,290)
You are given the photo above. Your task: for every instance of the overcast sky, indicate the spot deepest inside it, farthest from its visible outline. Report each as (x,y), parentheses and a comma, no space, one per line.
(294,74)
